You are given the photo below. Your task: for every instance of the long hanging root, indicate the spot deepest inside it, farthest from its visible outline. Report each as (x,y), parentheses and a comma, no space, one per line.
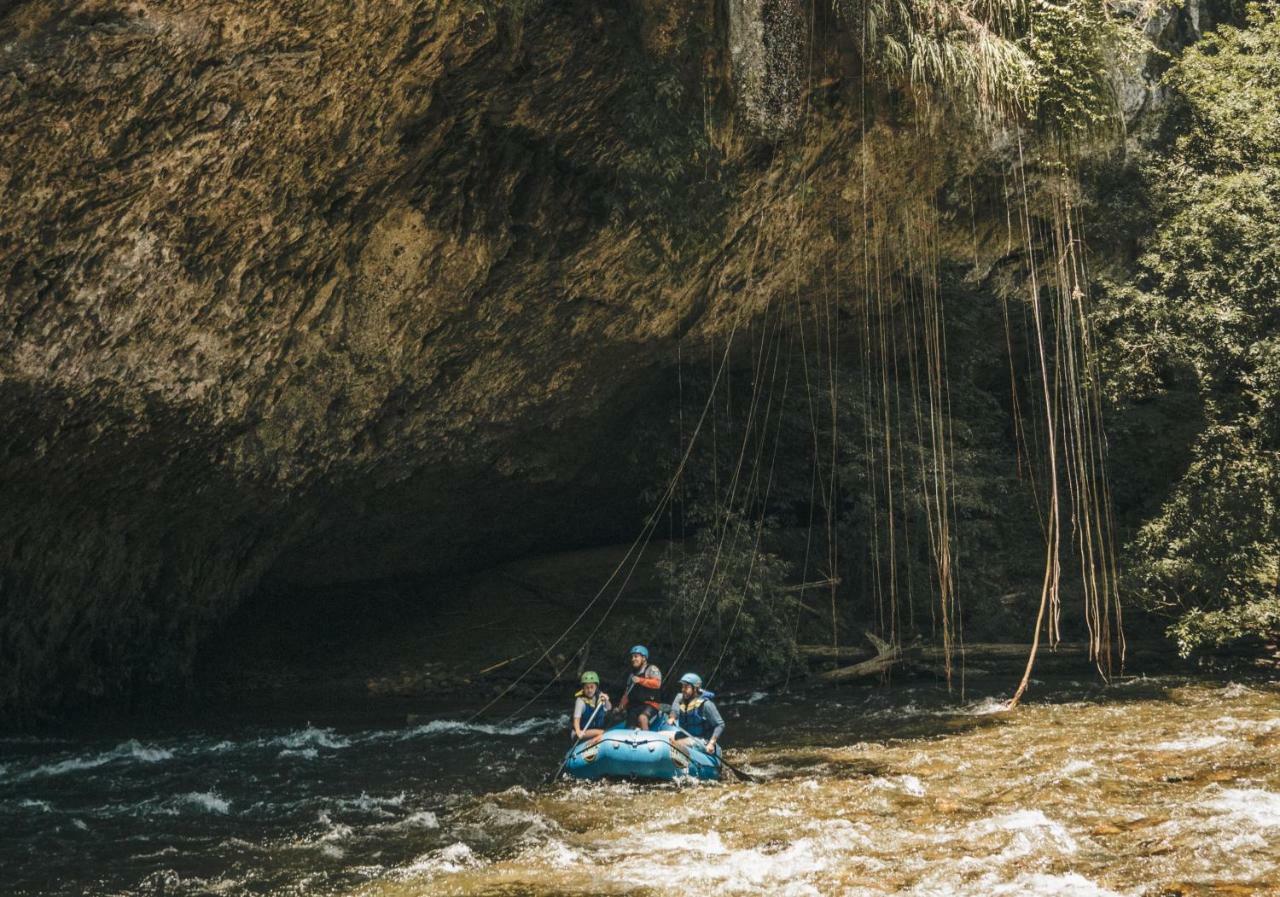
(1073,434)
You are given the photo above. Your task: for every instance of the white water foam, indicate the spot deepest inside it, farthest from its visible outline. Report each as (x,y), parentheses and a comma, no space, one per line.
(1247,805)
(310,737)
(128,751)
(988,706)
(713,865)
(911,785)
(1236,690)
(906,784)
(463,727)
(1251,726)
(155,854)
(209,801)
(423,819)
(1190,744)
(454,858)
(301,753)
(177,805)
(527,826)
(1031,831)
(1075,768)
(1038,884)
(335,832)
(370,804)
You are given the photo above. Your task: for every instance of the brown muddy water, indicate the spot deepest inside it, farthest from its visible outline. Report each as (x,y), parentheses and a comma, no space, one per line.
(1145,787)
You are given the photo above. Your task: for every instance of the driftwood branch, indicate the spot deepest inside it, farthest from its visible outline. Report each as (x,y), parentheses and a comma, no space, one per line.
(845,653)
(502,663)
(806,586)
(886,656)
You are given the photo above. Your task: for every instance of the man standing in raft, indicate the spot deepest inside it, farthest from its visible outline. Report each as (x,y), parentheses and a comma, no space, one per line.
(590,705)
(693,711)
(644,685)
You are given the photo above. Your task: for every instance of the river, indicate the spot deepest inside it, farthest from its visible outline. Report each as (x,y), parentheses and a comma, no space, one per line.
(1148,786)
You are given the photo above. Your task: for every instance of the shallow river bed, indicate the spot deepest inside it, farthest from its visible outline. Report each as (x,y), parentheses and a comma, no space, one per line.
(1145,787)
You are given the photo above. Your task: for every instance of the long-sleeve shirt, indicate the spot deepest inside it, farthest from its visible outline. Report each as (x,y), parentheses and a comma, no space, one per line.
(649,677)
(708,710)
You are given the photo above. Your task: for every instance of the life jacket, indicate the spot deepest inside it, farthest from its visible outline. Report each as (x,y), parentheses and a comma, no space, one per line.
(692,719)
(643,694)
(589,707)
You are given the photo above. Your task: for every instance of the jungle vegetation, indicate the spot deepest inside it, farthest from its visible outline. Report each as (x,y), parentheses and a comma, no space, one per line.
(1109,388)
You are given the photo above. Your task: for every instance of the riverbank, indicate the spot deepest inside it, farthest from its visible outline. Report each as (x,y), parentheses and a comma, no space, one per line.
(525,630)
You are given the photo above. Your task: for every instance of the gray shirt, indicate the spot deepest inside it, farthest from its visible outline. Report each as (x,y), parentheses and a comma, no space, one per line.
(708,710)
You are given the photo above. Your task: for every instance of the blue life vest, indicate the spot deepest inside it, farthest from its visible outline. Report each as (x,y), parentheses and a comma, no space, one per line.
(590,705)
(691,718)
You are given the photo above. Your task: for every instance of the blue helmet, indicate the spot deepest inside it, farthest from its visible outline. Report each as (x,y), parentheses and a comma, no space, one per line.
(641,650)
(691,679)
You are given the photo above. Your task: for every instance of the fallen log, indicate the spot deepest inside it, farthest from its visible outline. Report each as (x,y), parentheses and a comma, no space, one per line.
(981,651)
(849,653)
(886,656)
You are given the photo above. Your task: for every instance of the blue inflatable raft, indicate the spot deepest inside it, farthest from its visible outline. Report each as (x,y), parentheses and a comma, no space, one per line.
(623,753)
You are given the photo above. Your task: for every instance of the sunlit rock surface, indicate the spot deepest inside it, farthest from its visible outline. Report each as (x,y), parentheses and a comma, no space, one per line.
(303,293)
(307,289)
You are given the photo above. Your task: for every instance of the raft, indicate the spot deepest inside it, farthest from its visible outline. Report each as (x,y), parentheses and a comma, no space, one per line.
(625,753)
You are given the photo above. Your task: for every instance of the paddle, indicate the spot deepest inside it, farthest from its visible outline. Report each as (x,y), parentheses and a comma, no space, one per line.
(578,740)
(745,776)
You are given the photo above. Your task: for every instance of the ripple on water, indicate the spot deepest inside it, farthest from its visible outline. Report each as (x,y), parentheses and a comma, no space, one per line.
(129,751)
(423,810)
(711,865)
(1250,806)
(440,727)
(1038,884)
(453,858)
(1200,743)
(1026,832)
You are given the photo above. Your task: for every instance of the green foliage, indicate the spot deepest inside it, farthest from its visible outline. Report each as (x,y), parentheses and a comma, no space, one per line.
(1074,45)
(966,52)
(1205,305)
(726,596)
(885,562)
(996,541)
(1048,60)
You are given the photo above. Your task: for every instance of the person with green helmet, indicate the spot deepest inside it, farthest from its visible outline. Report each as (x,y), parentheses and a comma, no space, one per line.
(693,711)
(590,705)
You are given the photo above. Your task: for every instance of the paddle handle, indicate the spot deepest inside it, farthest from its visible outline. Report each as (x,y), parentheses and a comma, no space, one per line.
(576,741)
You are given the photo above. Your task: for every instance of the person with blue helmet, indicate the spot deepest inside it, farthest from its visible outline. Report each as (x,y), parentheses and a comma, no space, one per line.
(642,698)
(693,711)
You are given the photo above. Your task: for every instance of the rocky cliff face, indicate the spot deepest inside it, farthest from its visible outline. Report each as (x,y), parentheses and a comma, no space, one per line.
(308,291)
(312,290)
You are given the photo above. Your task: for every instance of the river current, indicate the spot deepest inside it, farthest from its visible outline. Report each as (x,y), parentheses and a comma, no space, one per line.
(1145,787)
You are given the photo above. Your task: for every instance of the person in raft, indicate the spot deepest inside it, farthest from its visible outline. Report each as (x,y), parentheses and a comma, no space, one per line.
(644,685)
(590,705)
(693,711)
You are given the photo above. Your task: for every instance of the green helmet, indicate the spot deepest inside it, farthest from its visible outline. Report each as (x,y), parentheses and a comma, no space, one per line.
(590,678)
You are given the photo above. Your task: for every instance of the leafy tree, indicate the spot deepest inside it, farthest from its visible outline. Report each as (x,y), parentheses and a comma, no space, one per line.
(1206,305)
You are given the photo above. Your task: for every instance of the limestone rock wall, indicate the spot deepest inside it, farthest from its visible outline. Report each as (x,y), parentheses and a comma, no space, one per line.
(307,291)
(269,268)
